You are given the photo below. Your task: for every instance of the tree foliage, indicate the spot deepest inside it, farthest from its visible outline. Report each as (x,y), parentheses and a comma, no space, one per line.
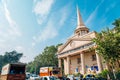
(47,58)
(108,44)
(10,57)
(116,23)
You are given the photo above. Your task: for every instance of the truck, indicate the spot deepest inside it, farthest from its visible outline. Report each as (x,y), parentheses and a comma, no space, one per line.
(13,71)
(50,71)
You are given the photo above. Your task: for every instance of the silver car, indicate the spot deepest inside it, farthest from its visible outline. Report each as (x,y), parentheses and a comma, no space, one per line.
(34,77)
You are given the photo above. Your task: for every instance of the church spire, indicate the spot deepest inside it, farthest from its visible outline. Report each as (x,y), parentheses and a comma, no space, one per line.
(79,19)
(81,29)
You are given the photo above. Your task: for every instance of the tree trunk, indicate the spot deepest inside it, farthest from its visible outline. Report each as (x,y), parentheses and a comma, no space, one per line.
(108,66)
(113,70)
(118,63)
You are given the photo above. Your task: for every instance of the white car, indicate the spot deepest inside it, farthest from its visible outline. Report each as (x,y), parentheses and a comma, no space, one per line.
(34,77)
(48,78)
(27,75)
(71,77)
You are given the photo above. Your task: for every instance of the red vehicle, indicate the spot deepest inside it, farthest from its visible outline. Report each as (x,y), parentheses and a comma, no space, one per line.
(13,71)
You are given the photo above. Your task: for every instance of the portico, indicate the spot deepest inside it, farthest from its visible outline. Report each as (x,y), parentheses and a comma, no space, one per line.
(76,54)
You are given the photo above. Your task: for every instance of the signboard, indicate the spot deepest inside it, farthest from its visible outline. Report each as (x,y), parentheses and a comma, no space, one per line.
(45,69)
(5,69)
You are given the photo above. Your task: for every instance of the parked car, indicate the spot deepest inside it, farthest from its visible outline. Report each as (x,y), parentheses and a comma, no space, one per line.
(77,78)
(27,75)
(49,78)
(71,77)
(34,77)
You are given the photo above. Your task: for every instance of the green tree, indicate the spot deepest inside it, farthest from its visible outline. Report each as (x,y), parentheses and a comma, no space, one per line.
(116,23)
(12,57)
(1,62)
(9,57)
(108,45)
(117,35)
(46,58)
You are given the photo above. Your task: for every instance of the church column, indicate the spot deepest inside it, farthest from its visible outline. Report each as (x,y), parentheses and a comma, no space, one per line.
(65,66)
(68,65)
(59,63)
(82,63)
(99,62)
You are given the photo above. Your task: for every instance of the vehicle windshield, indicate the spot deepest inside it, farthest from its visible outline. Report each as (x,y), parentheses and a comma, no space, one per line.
(17,70)
(34,75)
(56,72)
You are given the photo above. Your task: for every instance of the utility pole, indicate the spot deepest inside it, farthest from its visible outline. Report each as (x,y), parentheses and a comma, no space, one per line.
(35,67)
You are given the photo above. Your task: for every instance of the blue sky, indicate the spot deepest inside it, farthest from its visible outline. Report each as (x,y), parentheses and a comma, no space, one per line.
(28,26)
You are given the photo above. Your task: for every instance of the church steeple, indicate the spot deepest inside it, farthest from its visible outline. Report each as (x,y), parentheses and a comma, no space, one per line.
(81,29)
(79,19)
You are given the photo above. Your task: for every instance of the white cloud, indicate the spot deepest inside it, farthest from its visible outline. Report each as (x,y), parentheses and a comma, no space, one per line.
(48,33)
(53,25)
(64,14)
(13,26)
(9,29)
(19,48)
(34,38)
(63,19)
(42,9)
(33,43)
(1,40)
(93,14)
(110,7)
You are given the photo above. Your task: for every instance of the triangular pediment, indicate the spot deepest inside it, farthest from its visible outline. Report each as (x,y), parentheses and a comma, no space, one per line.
(77,41)
(74,44)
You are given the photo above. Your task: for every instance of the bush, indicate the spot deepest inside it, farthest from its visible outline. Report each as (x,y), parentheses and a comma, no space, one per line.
(77,74)
(103,74)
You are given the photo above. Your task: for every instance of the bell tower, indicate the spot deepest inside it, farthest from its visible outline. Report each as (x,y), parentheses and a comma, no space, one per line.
(81,29)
